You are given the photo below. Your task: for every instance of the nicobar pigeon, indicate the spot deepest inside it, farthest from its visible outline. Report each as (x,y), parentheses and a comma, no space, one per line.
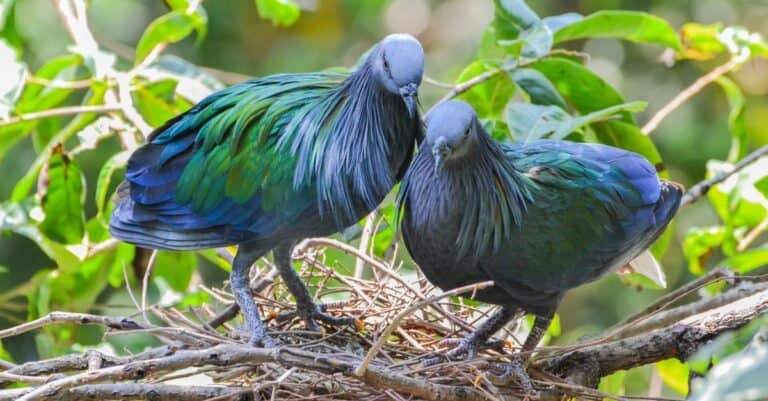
(537,218)
(273,160)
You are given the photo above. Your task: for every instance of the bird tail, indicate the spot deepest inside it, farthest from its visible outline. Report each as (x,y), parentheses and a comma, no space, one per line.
(127,225)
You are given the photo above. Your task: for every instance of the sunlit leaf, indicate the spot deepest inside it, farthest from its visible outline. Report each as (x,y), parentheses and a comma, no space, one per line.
(280,12)
(701,42)
(748,260)
(674,373)
(614,383)
(698,245)
(61,187)
(634,26)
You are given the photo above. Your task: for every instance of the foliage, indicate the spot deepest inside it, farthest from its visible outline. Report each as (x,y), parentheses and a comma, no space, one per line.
(529,85)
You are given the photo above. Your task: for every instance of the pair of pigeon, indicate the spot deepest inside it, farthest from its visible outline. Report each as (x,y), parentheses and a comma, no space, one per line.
(271,161)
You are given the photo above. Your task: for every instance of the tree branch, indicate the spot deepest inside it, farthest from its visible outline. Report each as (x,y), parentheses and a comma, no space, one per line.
(687,94)
(134,391)
(699,190)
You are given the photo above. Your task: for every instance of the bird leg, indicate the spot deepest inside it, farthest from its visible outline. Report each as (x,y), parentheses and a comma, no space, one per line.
(516,368)
(470,344)
(239,280)
(306,308)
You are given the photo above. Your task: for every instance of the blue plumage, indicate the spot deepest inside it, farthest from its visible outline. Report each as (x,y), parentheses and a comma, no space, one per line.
(538,218)
(268,162)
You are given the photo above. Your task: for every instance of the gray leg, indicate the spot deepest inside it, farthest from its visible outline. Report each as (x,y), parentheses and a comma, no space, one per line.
(516,369)
(305,306)
(470,344)
(239,281)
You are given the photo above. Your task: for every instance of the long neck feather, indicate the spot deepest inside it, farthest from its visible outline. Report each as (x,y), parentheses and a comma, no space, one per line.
(494,195)
(350,143)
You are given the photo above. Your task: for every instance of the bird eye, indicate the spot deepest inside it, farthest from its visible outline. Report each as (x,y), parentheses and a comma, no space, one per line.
(466,133)
(386,65)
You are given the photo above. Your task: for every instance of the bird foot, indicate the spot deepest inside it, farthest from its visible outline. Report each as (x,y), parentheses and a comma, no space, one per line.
(462,346)
(515,370)
(313,313)
(264,340)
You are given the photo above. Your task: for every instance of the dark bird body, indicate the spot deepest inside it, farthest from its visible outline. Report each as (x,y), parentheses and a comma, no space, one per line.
(537,218)
(268,162)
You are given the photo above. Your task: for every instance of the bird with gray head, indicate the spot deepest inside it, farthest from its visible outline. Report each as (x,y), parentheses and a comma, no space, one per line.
(268,162)
(537,218)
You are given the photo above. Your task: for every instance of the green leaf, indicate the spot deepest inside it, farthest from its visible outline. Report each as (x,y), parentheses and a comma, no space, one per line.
(61,189)
(156,101)
(490,97)
(557,22)
(176,268)
(528,122)
(613,384)
(36,97)
(582,88)
(114,163)
(538,87)
(674,373)
(169,28)
(577,122)
(14,75)
(748,260)
(633,26)
(698,245)
(519,31)
(8,29)
(740,377)
(701,42)
(516,14)
(26,183)
(280,12)
(736,121)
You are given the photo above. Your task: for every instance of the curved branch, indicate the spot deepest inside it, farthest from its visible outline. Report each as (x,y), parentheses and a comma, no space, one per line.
(699,190)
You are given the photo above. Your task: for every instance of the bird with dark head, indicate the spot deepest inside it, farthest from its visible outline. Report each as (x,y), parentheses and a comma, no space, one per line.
(537,218)
(268,162)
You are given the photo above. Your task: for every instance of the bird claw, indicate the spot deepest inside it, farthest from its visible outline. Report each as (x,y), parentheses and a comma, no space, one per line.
(312,313)
(461,346)
(515,370)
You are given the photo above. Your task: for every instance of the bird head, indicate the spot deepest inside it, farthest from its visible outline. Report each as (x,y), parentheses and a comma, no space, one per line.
(452,131)
(399,65)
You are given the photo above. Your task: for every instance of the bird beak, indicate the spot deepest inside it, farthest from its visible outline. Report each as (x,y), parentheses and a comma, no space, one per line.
(409,93)
(440,151)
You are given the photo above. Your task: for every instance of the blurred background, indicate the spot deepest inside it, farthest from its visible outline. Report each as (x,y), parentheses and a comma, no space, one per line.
(336,32)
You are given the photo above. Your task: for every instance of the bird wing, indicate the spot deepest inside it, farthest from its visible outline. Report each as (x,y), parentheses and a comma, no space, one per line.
(595,208)
(222,164)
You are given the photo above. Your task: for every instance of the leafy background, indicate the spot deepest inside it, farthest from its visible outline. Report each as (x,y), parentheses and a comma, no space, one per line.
(591,70)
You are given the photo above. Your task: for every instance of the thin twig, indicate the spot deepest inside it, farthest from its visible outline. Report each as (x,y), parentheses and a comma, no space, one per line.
(687,93)
(118,323)
(145,285)
(360,370)
(701,189)
(365,241)
(58,112)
